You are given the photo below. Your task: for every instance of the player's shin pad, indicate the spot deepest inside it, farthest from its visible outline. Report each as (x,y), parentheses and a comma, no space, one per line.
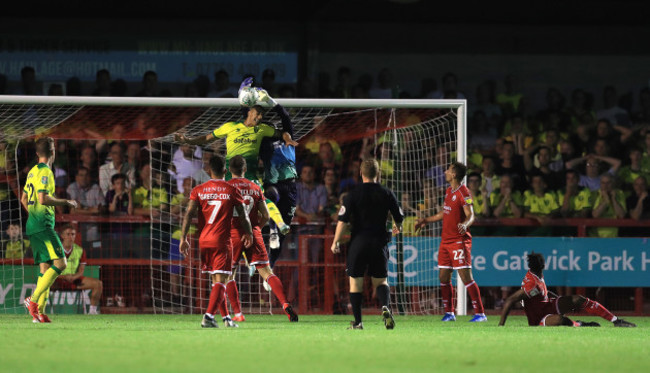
(275,213)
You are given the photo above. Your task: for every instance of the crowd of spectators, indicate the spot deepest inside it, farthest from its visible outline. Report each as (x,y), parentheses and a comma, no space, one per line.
(585,157)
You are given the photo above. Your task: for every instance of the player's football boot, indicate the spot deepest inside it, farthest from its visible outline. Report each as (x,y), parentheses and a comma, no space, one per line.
(33,311)
(229,323)
(389,321)
(26,302)
(274,240)
(284,229)
(239,318)
(43,317)
(624,324)
(208,322)
(479,317)
(449,317)
(587,323)
(354,326)
(291,314)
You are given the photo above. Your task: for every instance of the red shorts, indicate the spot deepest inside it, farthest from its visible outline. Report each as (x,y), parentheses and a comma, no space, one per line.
(256,254)
(455,255)
(536,313)
(215,260)
(61,284)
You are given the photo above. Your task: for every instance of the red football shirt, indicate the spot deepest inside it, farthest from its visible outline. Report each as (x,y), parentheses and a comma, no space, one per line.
(538,304)
(217,200)
(252,195)
(535,288)
(454,214)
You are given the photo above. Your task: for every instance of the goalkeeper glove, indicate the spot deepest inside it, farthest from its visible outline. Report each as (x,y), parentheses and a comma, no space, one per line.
(265,97)
(246,83)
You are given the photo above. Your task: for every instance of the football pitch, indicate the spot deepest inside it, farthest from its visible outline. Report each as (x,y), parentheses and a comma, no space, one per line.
(177,343)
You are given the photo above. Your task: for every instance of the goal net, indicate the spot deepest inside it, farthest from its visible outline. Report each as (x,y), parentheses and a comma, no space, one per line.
(134,249)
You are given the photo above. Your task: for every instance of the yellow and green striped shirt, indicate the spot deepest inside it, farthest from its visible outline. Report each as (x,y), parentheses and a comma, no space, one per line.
(40,179)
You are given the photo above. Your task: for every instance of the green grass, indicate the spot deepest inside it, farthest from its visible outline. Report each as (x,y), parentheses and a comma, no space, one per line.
(166,343)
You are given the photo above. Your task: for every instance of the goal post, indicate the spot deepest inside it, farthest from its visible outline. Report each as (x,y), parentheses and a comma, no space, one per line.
(409,137)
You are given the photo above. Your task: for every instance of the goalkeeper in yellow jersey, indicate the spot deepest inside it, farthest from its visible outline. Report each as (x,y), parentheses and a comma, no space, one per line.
(245,138)
(39,201)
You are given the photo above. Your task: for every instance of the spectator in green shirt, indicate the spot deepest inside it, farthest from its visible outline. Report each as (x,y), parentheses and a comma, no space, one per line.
(482,208)
(627,174)
(149,194)
(489,180)
(506,202)
(151,200)
(575,201)
(610,203)
(540,205)
(638,205)
(16,247)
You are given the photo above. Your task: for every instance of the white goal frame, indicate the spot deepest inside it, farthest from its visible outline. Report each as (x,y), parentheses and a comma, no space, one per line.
(459,105)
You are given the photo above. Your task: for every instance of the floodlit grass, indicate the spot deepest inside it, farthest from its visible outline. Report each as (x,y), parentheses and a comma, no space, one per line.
(170,343)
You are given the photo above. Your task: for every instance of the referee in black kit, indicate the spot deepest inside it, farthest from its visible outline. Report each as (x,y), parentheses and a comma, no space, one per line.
(366,209)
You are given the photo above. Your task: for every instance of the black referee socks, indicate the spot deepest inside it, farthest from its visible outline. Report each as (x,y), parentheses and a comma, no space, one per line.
(356,299)
(383,294)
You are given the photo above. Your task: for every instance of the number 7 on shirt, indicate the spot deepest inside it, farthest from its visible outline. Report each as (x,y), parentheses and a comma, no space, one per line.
(215,210)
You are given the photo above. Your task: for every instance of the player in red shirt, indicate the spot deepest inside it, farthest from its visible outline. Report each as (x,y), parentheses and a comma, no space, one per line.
(456,242)
(217,200)
(258,213)
(545,311)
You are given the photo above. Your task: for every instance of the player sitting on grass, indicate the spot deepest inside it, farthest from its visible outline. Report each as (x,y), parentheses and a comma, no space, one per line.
(545,311)
(257,255)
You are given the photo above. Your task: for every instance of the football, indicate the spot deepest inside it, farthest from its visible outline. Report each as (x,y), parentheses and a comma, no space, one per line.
(248,96)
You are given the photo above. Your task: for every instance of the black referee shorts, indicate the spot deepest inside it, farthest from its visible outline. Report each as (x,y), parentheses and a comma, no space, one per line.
(368,251)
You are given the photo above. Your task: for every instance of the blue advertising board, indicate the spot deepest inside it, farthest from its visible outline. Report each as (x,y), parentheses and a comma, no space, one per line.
(131,65)
(501,261)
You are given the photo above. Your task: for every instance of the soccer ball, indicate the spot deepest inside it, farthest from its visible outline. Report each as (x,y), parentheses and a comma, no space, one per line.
(248,96)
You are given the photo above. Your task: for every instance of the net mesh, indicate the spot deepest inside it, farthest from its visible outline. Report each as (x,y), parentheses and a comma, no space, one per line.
(136,251)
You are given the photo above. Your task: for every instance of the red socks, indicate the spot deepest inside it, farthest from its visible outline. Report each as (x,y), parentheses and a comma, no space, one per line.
(594,308)
(217,298)
(447,292)
(475,295)
(276,286)
(233,296)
